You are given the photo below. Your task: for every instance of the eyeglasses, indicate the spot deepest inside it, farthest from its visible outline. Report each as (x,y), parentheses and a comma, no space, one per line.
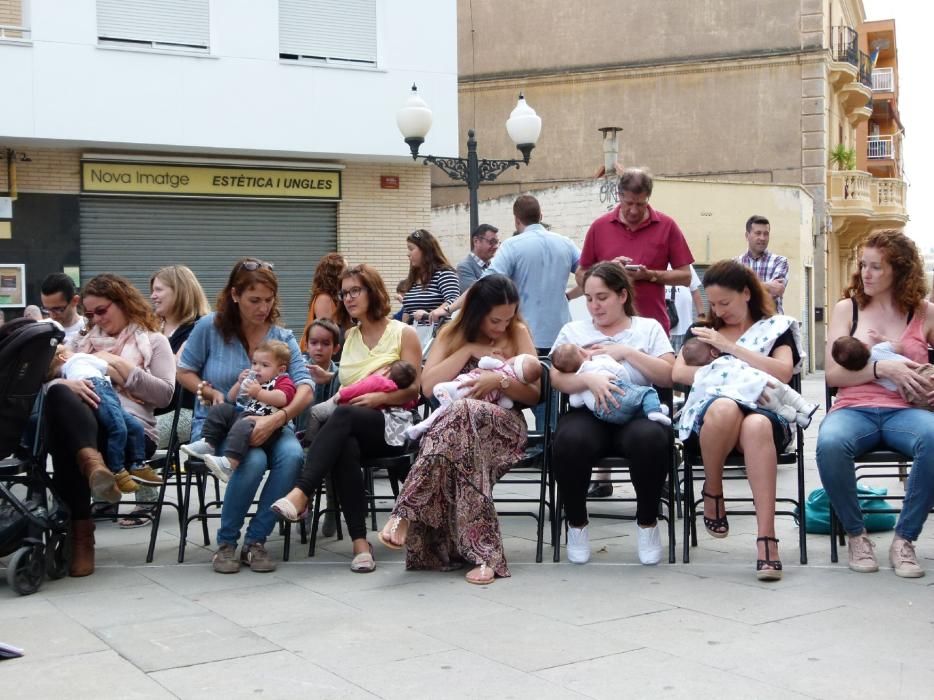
(254,265)
(99,311)
(490,241)
(351,293)
(54,309)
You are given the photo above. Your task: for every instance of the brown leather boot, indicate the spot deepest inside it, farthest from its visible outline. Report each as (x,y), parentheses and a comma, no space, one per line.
(100,478)
(82,548)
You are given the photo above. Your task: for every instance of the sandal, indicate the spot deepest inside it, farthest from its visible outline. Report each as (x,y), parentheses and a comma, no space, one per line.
(719,526)
(774,570)
(393,525)
(363,563)
(482,579)
(138,518)
(286,509)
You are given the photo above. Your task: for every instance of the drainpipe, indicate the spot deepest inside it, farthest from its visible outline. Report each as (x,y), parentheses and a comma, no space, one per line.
(11,172)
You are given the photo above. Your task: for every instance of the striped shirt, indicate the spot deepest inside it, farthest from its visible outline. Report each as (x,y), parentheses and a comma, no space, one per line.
(442,287)
(767,267)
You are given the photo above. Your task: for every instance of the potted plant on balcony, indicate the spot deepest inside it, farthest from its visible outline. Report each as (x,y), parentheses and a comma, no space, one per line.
(843,158)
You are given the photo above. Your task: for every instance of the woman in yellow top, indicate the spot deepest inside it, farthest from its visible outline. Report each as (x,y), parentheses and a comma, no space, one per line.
(369,426)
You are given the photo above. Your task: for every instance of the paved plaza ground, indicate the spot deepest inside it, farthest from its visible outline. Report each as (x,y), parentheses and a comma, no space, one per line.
(609,629)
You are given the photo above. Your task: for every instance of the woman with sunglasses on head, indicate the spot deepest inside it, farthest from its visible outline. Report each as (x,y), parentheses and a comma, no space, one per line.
(371,425)
(216,356)
(432,285)
(123,332)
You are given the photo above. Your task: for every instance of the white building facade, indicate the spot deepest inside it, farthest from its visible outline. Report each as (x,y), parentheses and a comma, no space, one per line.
(142,133)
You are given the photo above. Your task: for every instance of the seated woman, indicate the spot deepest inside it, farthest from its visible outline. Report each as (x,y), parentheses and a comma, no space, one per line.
(360,429)
(179,301)
(581,438)
(124,333)
(886,297)
(445,514)
(745,326)
(218,350)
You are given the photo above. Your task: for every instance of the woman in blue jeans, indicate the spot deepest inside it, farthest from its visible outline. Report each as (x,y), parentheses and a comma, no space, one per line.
(218,350)
(885,299)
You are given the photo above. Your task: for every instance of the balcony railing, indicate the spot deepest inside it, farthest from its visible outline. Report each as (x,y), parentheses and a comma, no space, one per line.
(850,187)
(865,69)
(881,147)
(888,194)
(844,45)
(883,80)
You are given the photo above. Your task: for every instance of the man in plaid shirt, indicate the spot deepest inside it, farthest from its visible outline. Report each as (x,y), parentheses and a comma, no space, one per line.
(772,269)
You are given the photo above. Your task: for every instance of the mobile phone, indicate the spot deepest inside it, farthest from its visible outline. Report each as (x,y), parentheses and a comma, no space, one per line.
(633,268)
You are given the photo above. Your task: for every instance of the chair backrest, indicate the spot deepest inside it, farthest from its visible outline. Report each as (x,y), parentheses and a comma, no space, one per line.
(25,353)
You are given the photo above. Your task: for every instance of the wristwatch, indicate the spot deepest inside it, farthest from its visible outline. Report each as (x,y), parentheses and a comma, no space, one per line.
(504,382)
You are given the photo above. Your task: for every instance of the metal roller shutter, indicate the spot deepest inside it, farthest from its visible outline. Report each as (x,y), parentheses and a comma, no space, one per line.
(136,236)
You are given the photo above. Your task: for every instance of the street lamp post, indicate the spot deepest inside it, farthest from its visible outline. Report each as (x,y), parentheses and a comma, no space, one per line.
(524,127)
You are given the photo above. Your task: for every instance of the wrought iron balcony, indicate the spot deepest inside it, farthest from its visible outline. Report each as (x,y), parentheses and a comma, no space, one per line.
(881,147)
(883,80)
(844,45)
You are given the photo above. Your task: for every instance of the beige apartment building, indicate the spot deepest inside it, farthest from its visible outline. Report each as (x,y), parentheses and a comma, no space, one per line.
(730,91)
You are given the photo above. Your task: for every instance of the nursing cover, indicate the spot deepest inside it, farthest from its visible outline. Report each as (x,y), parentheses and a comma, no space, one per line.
(761,337)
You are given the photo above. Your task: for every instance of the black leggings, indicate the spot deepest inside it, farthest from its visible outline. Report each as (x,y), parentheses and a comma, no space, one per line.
(70,426)
(350,434)
(581,439)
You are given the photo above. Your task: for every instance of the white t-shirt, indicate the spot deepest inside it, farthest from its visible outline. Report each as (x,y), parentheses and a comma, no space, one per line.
(75,328)
(82,365)
(684,303)
(644,334)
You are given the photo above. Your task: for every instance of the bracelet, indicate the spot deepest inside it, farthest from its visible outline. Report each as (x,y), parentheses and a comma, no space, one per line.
(200,394)
(875,373)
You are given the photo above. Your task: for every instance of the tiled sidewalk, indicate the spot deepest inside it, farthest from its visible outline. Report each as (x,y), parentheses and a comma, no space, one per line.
(609,629)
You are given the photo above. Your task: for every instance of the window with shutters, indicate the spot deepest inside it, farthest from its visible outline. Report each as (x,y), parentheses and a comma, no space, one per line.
(156,24)
(328,32)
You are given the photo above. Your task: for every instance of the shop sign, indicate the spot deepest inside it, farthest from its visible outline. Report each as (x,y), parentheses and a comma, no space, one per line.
(122,177)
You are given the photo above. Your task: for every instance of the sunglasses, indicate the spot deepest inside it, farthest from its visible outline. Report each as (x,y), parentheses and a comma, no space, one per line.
(99,311)
(254,265)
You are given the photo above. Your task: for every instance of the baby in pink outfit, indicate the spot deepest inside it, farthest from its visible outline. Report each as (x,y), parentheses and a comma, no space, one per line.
(523,368)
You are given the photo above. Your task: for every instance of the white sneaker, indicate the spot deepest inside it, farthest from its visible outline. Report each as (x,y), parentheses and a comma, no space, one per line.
(650,545)
(219,466)
(578,545)
(198,449)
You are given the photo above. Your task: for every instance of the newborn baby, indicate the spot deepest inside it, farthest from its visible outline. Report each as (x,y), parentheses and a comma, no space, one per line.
(635,400)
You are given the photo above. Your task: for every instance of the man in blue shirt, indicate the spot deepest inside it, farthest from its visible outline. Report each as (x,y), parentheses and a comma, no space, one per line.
(540,263)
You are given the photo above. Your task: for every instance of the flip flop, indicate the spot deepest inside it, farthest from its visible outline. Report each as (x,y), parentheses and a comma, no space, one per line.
(138,518)
(387,541)
(363,563)
(481,580)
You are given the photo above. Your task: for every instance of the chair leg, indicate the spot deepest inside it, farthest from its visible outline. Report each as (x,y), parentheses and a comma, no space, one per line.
(183,518)
(540,522)
(315,513)
(201,482)
(556,526)
(833,536)
(371,487)
(286,544)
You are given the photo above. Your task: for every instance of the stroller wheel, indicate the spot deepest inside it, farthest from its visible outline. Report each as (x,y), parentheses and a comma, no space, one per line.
(26,569)
(57,555)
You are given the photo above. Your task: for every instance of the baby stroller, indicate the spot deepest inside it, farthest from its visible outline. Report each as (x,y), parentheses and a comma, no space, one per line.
(33,529)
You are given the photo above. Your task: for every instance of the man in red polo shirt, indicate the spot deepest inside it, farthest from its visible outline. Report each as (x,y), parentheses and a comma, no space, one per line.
(643,240)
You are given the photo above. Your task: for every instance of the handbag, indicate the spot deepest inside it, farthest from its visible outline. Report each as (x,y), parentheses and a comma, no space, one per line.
(817,510)
(672,309)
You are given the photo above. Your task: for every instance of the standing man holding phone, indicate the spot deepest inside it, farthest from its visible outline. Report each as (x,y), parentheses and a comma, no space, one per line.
(644,241)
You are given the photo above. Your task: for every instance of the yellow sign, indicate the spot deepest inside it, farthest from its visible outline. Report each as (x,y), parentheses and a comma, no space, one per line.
(114,177)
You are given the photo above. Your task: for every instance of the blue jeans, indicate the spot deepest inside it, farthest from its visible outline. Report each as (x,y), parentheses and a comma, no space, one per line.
(849,432)
(637,401)
(126,441)
(284,459)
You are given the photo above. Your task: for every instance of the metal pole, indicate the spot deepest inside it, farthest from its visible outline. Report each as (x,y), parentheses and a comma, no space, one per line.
(473,183)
